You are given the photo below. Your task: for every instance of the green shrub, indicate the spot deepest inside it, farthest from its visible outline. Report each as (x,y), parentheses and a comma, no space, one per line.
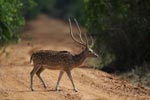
(139,75)
(57,8)
(121,29)
(30,9)
(69,8)
(11,20)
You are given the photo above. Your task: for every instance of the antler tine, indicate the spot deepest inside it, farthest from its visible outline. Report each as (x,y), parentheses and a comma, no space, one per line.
(86,39)
(72,36)
(79,30)
(92,44)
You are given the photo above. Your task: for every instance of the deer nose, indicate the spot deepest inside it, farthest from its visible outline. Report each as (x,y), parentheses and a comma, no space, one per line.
(96,55)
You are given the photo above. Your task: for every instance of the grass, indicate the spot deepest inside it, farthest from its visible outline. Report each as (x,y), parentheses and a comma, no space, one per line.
(140,75)
(94,62)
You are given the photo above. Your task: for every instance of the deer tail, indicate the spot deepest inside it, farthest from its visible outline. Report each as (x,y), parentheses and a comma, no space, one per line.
(31,58)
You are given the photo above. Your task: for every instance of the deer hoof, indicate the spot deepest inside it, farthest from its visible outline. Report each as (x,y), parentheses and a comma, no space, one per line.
(32,89)
(45,86)
(57,89)
(75,90)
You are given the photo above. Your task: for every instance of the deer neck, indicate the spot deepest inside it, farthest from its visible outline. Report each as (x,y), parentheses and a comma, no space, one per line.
(79,59)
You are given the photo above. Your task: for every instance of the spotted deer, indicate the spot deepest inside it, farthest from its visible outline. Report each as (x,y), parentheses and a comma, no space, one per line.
(61,60)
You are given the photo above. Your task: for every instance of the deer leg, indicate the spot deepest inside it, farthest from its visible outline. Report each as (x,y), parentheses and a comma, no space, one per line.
(59,78)
(35,69)
(70,77)
(38,73)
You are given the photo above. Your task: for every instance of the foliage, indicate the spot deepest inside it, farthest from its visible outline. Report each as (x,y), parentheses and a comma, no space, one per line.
(69,8)
(29,9)
(12,13)
(121,29)
(11,20)
(57,8)
(139,75)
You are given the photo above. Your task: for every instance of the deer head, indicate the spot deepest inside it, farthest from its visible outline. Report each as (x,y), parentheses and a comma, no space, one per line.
(88,52)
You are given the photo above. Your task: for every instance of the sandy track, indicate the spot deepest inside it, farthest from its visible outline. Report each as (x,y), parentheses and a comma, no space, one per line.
(49,33)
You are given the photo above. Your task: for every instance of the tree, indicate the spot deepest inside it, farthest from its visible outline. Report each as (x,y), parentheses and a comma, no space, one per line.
(11,20)
(121,28)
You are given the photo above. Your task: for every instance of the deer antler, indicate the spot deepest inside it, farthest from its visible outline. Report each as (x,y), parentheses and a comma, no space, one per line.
(92,44)
(80,35)
(72,36)
(82,42)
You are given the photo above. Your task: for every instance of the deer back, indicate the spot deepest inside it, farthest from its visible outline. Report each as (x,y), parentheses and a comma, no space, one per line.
(52,58)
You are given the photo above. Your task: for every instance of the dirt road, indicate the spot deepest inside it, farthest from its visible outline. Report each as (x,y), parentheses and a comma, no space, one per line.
(50,33)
